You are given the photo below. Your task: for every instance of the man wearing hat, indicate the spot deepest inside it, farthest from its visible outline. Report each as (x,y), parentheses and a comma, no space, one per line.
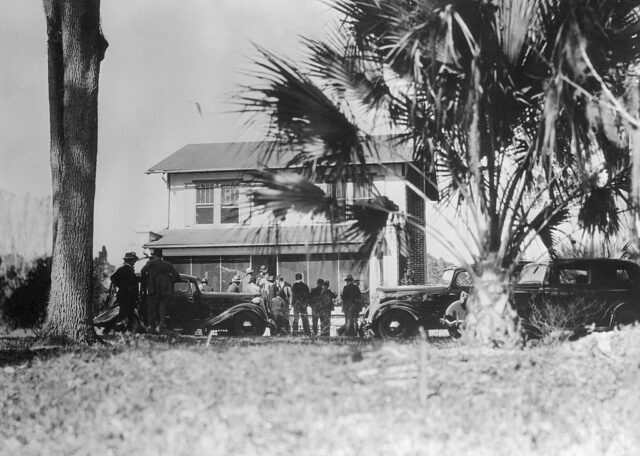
(261,280)
(125,279)
(158,277)
(244,285)
(234,285)
(351,306)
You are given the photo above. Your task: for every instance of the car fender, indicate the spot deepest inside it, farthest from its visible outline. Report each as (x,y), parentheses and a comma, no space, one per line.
(232,311)
(613,311)
(395,305)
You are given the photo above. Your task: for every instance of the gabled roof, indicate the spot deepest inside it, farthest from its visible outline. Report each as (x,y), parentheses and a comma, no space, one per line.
(239,156)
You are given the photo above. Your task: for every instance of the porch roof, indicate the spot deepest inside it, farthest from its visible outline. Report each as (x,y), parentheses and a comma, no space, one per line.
(256,240)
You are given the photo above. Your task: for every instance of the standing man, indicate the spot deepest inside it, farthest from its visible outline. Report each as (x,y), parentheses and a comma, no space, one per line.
(252,288)
(324,308)
(125,279)
(261,280)
(300,301)
(248,274)
(234,285)
(158,277)
(351,305)
(314,300)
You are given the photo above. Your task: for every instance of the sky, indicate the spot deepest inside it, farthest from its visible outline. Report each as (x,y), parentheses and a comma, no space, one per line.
(163,57)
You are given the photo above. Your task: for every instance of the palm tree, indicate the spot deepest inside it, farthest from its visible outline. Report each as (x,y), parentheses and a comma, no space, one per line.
(520,106)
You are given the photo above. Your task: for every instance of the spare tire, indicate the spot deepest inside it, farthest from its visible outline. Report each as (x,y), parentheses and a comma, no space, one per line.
(247,323)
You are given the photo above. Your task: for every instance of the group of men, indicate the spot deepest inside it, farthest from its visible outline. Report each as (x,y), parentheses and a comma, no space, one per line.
(157,278)
(279,297)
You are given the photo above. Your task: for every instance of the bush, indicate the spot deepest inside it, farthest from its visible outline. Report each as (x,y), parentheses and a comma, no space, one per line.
(26,305)
(552,321)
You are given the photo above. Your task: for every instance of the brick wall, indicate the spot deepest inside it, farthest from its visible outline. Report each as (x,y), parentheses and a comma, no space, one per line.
(416,241)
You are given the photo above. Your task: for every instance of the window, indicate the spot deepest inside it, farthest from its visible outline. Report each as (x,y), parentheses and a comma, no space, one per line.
(572,276)
(204,205)
(229,208)
(533,273)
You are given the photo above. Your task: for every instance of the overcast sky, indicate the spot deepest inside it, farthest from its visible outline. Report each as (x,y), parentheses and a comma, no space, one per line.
(163,55)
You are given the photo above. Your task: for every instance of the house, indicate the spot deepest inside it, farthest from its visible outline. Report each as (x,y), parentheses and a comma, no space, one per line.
(214,231)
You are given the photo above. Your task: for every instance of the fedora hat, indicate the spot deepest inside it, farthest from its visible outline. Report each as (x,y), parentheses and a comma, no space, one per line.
(248,271)
(130,256)
(349,278)
(236,278)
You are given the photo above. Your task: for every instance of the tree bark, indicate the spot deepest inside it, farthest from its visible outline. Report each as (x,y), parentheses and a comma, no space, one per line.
(75,48)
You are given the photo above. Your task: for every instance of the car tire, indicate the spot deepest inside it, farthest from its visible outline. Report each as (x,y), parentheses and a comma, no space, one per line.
(396,324)
(248,324)
(624,316)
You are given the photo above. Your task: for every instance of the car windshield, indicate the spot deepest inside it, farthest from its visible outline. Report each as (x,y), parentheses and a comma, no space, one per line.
(446,277)
(533,273)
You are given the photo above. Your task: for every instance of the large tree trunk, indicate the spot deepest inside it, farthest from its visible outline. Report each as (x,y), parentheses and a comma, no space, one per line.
(75,49)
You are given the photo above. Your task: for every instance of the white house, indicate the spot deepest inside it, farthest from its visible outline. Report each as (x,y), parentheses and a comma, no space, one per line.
(213,230)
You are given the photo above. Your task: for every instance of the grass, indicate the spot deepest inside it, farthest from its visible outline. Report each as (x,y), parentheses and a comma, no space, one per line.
(283,396)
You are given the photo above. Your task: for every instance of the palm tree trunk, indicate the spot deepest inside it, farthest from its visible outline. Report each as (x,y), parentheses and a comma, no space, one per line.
(75,49)
(491,320)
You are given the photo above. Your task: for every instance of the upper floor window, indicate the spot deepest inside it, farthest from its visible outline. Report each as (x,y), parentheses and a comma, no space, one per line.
(229,208)
(204,205)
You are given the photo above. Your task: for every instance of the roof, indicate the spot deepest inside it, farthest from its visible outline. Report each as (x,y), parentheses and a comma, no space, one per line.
(238,156)
(255,240)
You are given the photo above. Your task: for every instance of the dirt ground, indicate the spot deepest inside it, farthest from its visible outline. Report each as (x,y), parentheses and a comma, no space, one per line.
(285,396)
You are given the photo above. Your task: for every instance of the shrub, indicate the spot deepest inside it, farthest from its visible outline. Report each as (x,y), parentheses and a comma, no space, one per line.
(26,305)
(553,320)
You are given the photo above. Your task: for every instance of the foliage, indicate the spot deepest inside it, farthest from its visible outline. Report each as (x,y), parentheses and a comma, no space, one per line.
(517,106)
(552,321)
(26,305)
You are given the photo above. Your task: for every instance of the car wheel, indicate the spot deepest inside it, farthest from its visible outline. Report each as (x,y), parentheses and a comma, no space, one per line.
(248,324)
(396,324)
(624,316)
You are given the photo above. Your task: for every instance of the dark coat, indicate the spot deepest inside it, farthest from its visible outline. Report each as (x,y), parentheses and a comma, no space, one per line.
(158,277)
(299,294)
(126,280)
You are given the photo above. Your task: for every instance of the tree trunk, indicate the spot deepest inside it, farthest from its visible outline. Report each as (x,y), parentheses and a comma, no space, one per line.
(75,49)
(491,320)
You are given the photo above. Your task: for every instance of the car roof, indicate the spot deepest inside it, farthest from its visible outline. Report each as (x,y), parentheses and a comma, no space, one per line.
(585,262)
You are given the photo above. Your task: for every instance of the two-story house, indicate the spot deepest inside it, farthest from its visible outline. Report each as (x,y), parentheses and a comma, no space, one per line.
(214,231)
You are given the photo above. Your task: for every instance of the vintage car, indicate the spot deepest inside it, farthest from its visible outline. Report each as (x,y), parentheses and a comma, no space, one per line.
(192,311)
(604,292)
(398,312)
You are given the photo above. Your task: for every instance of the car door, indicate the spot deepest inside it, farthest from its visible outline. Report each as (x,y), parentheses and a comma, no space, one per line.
(182,307)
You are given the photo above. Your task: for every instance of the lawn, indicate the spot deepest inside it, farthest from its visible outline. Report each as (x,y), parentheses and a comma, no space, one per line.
(285,396)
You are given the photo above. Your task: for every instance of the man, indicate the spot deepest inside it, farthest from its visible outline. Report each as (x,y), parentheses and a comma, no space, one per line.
(351,306)
(234,285)
(268,290)
(261,280)
(252,287)
(314,300)
(158,277)
(280,313)
(324,308)
(125,279)
(300,301)
(248,275)
(284,289)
